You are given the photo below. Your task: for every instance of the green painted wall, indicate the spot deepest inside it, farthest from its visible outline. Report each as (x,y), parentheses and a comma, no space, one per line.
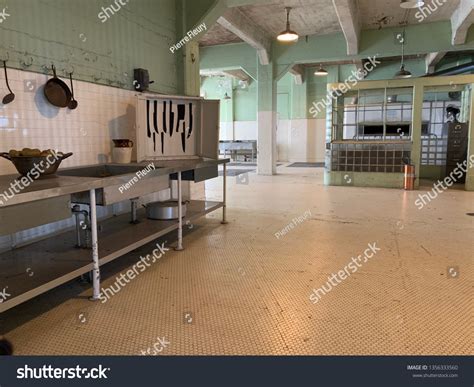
(195,11)
(70,34)
(242,105)
(216,88)
(245,102)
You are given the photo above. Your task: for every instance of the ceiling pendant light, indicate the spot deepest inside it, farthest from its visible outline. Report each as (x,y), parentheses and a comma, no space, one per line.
(288,36)
(321,72)
(403,73)
(409,4)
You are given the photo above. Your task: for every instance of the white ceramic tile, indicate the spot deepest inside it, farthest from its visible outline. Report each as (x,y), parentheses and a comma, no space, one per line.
(30,121)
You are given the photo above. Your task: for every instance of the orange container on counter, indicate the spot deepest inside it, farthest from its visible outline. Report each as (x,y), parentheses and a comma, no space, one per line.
(409,177)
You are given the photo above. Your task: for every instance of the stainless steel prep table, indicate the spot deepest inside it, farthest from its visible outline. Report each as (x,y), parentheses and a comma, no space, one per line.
(54,259)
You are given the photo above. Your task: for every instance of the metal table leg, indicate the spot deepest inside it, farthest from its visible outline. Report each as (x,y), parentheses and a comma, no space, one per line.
(133,211)
(224,196)
(95,248)
(180,215)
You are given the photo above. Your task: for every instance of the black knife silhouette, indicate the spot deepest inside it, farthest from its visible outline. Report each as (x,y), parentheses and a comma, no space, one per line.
(172,119)
(190,120)
(164,118)
(183,137)
(148,131)
(181,117)
(155,125)
(155,116)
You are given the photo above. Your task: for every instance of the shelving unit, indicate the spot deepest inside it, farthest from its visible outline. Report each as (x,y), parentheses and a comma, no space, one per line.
(34,269)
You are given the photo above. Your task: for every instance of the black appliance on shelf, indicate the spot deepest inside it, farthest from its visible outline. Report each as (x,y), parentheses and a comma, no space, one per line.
(141,79)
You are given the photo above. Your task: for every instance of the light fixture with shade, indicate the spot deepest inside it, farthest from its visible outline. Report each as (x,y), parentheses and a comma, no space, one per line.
(288,36)
(410,4)
(321,72)
(403,72)
(226,97)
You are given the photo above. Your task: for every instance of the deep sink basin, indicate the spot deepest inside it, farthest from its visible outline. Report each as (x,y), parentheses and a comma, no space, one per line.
(103,171)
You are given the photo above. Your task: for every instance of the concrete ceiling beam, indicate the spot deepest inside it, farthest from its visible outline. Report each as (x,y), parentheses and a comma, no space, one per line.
(461,20)
(298,74)
(359,64)
(238,23)
(238,74)
(348,15)
(432,59)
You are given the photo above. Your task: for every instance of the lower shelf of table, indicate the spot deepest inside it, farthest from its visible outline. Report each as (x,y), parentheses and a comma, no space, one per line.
(31,270)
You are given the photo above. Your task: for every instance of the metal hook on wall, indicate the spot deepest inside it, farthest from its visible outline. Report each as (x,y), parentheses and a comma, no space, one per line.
(27,60)
(5,56)
(46,68)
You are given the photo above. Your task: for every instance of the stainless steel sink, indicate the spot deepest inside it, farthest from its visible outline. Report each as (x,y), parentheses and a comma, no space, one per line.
(127,185)
(101,171)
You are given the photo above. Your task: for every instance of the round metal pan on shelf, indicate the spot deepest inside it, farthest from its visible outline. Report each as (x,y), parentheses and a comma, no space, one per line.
(167,210)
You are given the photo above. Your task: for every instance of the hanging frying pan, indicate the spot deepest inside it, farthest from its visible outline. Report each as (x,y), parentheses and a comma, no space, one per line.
(57,92)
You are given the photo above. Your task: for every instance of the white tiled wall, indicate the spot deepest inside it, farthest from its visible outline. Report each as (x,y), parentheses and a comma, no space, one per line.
(30,121)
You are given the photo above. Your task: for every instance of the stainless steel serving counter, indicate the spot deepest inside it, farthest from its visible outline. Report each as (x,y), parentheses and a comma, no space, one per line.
(59,185)
(118,238)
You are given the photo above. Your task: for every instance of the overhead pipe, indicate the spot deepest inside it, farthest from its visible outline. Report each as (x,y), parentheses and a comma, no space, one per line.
(461,69)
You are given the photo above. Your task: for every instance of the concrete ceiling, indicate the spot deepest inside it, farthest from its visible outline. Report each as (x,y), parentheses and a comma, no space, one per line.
(388,13)
(308,17)
(319,17)
(218,35)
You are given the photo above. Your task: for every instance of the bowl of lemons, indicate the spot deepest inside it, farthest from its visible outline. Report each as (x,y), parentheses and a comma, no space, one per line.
(35,163)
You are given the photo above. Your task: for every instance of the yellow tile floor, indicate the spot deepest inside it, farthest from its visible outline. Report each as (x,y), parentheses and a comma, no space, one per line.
(237,290)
